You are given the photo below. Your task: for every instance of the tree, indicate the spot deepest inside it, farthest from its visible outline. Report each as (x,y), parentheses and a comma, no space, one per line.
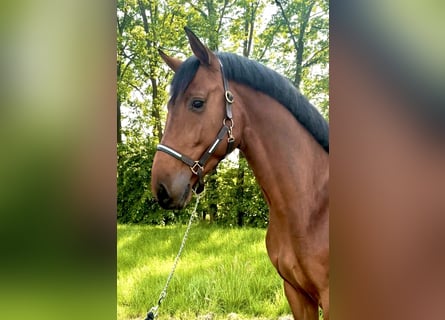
(305,23)
(246,22)
(124,61)
(153,63)
(212,15)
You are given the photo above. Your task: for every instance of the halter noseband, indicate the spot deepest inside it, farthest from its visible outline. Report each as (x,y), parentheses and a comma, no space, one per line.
(197,167)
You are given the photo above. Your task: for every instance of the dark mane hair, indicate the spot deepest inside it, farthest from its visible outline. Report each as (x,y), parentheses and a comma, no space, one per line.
(261,78)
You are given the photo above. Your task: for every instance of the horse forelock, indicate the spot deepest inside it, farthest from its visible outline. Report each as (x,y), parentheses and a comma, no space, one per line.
(259,77)
(183,77)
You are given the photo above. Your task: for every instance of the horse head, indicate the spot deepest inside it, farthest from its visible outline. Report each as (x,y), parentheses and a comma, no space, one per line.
(198,132)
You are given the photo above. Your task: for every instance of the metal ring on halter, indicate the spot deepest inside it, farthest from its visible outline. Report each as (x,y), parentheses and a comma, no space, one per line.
(229,96)
(230,127)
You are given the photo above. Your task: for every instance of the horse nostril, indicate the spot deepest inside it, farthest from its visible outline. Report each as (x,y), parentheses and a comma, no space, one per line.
(163,196)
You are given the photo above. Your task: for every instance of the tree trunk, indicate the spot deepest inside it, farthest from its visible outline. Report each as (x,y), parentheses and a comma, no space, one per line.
(299,41)
(155,107)
(212,195)
(240,190)
(155,112)
(119,122)
(118,111)
(249,26)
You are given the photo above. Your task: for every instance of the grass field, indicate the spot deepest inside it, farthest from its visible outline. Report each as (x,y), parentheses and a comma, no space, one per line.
(222,272)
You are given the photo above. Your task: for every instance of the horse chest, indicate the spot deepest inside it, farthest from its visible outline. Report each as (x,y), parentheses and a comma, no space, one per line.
(288,258)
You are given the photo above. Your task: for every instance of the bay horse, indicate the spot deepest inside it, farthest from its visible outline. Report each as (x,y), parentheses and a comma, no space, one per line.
(222,101)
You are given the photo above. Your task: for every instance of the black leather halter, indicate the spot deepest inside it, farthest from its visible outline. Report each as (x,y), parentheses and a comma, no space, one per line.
(197,166)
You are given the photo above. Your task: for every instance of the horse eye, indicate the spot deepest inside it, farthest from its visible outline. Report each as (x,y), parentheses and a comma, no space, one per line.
(197,104)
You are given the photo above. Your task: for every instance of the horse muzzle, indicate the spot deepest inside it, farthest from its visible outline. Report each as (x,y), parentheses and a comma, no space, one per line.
(168,201)
(172,189)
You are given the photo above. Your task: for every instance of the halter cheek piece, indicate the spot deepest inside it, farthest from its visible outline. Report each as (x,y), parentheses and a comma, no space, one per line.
(197,167)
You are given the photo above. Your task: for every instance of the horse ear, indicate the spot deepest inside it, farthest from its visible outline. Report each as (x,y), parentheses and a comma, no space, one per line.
(173,63)
(203,53)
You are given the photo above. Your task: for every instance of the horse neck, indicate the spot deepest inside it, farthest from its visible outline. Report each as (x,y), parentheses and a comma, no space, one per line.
(290,166)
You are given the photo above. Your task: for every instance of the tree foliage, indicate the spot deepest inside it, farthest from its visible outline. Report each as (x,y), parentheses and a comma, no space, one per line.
(290,36)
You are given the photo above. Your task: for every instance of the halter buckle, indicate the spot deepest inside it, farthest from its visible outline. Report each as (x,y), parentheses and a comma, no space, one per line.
(196,167)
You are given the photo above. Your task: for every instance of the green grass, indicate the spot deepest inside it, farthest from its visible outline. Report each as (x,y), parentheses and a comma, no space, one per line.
(221,271)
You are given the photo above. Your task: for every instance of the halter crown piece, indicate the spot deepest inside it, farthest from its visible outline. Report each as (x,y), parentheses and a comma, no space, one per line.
(197,167)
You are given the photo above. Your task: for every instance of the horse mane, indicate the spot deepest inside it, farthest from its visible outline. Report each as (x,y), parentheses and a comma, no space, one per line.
(259,77)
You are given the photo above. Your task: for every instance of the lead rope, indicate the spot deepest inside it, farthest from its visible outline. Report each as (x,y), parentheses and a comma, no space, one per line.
(153,312)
